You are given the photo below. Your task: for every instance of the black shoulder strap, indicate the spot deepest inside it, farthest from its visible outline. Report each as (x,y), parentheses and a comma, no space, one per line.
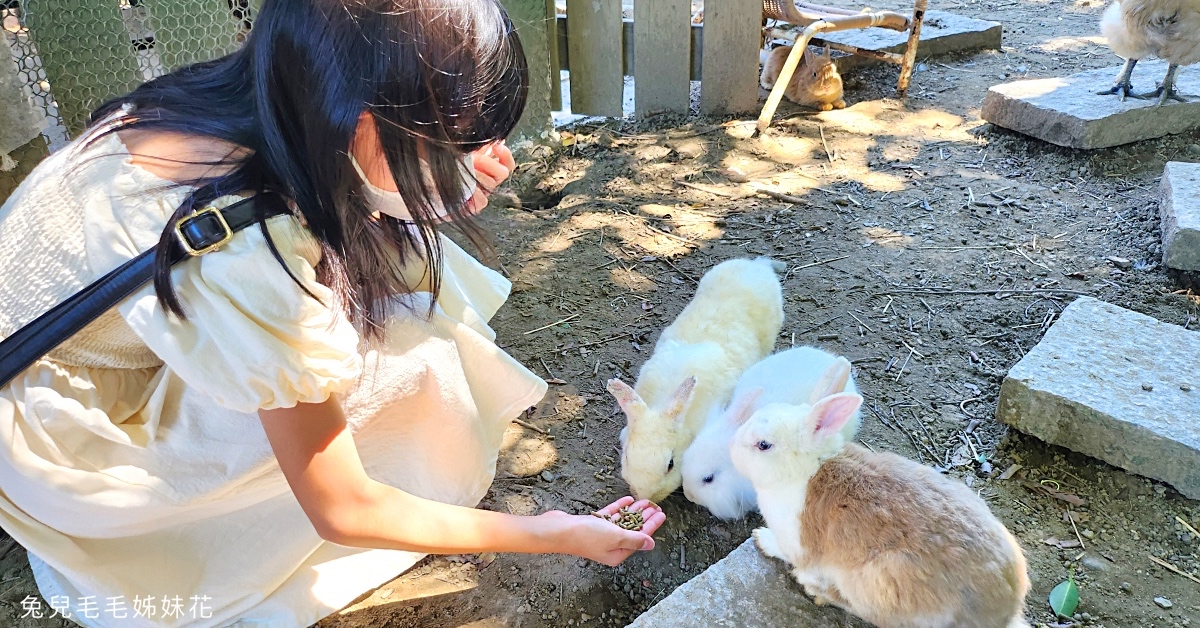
(201,232)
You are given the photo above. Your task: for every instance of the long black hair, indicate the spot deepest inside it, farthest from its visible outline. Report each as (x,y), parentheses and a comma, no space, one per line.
(440,78)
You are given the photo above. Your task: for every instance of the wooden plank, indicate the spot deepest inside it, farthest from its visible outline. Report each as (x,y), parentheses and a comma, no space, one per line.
(555,62)
(594,44)
(732,37)
(660,68)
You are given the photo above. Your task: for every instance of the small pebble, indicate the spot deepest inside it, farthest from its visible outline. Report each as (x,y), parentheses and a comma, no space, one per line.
(1185,387)
(1147,387)
(1193,149)
(548,476)
(1163,602)
(1126,587)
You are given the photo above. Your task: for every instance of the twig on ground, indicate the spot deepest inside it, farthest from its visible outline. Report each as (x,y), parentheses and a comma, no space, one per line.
(529,425)
(569,318)
(1175,569)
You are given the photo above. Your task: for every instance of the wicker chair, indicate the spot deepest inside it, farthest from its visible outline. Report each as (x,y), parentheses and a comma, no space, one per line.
(815,18)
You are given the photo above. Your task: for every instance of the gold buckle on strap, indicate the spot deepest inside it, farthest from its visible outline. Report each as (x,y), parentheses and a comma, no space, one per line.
(203,231)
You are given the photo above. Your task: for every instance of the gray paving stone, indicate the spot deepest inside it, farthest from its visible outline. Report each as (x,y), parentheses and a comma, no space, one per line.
(1179,210)
(941,33)
(743,590)
(1066,111)
(1115,385)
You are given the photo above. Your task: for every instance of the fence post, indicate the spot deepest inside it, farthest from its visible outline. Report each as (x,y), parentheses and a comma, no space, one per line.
(731,42)
(662,45)
(555,61)
(529,16)
(594,46)
(86,53)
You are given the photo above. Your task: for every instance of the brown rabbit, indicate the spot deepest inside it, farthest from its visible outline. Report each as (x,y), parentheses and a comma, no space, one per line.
(816,82)
(881,536)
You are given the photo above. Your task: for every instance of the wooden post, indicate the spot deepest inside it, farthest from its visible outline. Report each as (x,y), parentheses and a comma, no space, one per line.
(910,53)
(731,44)
(594,46)
(555,62)
(662,41)
(529,16)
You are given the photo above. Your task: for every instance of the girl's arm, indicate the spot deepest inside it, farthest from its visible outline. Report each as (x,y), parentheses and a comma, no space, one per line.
(317,454)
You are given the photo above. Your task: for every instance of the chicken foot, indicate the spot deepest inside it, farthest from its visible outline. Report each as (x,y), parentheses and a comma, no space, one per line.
(1123,86)
(1166,90)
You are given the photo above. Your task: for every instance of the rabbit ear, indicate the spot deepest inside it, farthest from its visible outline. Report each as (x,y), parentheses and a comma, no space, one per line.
(680,399)
(742,408)
(833,381)
(830,414)
(631,404)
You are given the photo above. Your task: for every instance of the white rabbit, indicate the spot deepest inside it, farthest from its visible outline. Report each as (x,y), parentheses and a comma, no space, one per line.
(885,538)
(730,323)
(795,376)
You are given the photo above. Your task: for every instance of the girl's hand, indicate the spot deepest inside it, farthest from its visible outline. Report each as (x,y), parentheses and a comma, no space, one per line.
(599,540)
(493,165)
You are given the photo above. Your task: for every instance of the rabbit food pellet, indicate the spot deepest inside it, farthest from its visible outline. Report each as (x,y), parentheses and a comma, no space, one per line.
(625,518)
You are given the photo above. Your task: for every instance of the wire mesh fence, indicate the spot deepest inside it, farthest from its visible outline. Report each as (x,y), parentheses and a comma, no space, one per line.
(73,55)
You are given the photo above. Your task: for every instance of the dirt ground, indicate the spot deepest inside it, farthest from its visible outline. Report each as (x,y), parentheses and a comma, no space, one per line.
(916,228)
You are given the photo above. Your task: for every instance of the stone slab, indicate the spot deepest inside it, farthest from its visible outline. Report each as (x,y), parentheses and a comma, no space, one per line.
(1115,385)
(743,590)
(1179,211)
(1066,111)
(941,33)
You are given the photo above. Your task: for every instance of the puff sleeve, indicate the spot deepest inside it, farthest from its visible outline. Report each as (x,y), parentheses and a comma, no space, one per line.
(252,338)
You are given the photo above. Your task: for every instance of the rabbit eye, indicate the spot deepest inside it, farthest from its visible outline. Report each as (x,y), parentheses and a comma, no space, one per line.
(763,445)
(671,464)
(707,479)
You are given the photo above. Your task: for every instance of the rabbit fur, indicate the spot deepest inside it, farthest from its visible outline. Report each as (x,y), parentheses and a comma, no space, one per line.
(816,82)
(730,323)
(793,376)
(885,538)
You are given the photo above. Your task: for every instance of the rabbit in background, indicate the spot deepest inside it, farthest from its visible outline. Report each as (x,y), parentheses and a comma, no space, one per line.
(795,376)
(730,323)
(816,82)
(876,534)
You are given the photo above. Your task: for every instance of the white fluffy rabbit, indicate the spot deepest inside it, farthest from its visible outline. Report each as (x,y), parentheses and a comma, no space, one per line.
(794,376)
(730,323)
(885,538)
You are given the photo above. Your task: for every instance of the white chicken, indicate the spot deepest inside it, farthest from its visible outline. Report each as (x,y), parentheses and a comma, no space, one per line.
(1166,29)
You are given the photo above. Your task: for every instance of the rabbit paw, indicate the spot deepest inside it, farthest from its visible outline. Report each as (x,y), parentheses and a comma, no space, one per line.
(824,107)
(839,104)
(765,540)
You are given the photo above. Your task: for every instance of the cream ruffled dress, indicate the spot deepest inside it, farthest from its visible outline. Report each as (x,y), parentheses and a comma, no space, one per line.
(132,461)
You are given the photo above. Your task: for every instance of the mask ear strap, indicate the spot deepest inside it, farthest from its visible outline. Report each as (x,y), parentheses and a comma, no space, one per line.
(358,168)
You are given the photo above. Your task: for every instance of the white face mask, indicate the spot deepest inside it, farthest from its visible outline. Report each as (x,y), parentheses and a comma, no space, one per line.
(392,204)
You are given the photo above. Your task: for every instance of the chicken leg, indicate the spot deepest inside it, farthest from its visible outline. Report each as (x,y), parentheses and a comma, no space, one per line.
(1166,90)
(1123,86)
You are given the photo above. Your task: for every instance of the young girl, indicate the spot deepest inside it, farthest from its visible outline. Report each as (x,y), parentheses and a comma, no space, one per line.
(273,428)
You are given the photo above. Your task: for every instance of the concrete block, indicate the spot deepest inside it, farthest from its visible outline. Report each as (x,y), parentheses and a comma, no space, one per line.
(1179,210)
(941,33)
(743,590)
(1115,385)
(1067,111)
